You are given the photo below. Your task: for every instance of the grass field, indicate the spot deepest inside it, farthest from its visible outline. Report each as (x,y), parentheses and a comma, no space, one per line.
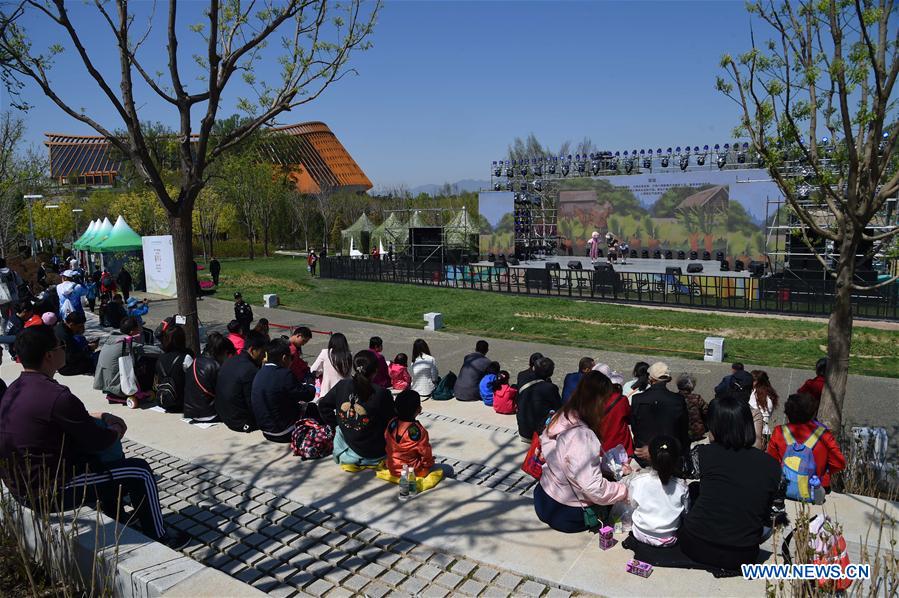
(762,341)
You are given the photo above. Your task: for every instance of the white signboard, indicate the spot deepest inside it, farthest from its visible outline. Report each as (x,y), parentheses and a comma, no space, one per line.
(159,265)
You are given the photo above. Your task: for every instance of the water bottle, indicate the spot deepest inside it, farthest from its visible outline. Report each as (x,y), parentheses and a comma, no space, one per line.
(404,483)
(413,487)
(815,489)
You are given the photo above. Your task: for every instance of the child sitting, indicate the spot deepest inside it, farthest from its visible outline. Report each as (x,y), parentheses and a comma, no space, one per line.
(486,386)
(407,440)
(660,498)
(505,396)
(399,375)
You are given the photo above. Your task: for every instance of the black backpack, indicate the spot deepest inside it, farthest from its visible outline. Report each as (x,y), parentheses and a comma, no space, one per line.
(170,383)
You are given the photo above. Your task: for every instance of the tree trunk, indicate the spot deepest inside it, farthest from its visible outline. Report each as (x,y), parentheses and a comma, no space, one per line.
(186,276)
(250,241)
(211,241)
(265,239)
(839,339)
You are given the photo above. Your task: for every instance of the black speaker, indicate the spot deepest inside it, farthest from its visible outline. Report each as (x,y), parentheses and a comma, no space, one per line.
(756,269)
(633,253)
(719,256)
(706,255)
(513,261)
(681,255)
(694,255)
(491,257)
(676,270)
(553,266)
(739,266)
(575,265)
(668,254)
(501,263)
(535,278)
(605,279)
(725,266)
(694,268)
(644,254)
(599,253)
(657,255)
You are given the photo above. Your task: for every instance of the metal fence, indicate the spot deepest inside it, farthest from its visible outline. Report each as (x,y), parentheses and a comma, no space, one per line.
(768,294)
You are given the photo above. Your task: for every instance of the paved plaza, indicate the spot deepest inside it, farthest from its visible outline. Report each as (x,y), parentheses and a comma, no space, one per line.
(289,527)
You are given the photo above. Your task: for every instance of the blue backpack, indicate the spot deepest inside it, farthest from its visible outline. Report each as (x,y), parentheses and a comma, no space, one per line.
(799,464)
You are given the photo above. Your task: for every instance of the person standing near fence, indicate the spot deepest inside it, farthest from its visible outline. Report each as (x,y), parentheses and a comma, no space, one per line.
(215,268)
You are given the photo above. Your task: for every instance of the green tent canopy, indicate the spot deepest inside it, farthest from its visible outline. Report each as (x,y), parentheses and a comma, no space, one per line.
(417,220)
(392,230)
(121,238)
(357,236)
(88,232)
(101,235)
(461,232)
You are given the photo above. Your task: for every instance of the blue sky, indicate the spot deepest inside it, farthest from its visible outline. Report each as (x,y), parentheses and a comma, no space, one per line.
(448,85)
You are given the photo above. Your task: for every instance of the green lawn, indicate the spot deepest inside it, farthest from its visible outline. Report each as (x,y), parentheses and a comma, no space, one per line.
(763,341)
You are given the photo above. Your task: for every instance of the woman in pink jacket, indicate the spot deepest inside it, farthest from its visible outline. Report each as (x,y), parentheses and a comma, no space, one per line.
(572,481)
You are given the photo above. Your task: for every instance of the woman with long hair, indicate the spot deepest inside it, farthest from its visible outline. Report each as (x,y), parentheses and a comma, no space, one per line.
(763,401)
(334,363)
(359,411)
(572,489)
(640,381)
(423,370)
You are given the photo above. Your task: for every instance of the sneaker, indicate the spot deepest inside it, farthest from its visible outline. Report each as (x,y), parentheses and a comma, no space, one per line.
(175,539)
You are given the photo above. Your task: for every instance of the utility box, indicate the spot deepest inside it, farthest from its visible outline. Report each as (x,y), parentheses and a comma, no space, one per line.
(270,300)
(714,349)
(433,321)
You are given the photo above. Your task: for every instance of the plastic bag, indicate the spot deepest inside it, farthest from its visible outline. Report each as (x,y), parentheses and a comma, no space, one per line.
(621,516)
(613,460)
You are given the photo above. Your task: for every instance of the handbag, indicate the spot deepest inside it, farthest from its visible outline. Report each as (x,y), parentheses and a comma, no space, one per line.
(127,374)
(533,460)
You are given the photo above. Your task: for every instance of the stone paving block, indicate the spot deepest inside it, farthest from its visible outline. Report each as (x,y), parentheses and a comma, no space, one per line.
(339,593)
(248,575)
(558,593)
(334,556)
(267,564)
(403,546)
(237,550)
(253,556)
(351,544)
(367,535)
(299,578)
(336,575)
(272,531)
(530,588)
(442,560)
(318,568)
(434,592)
(507,580)
(384,541)
(412,585)
(285,552)
(319,587)
(448,580)
(301,561)
(495,592)
(265,584)
(463,567)
(371,553)
(393,578)
(317,532)
(319,549)
(282,591)
(255,539)
(318,517)
(376,589)
(428,572)
(485,574)
(355,582)
(210,536)
(372,570)
(471,587)
(283,572)
(406,565)
(354,563)
(229,527)
(333,538)
(387,558)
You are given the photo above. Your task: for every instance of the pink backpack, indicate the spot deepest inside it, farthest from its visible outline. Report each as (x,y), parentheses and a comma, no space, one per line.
(311,439)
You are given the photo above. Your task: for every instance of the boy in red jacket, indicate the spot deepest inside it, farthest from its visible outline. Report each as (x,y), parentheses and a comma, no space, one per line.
(407,440)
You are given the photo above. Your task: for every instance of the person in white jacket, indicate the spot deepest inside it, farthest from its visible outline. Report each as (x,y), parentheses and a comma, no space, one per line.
(572,480)
(423,370)
(660,498)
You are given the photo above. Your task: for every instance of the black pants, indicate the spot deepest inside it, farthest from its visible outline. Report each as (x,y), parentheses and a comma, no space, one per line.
(215,278)
(131,478)
(126,293)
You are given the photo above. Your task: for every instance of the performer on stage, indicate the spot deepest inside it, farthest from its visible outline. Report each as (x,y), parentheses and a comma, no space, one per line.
(593,241)
(612,243)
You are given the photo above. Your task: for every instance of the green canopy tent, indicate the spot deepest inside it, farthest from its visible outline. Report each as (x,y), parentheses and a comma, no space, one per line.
(88,232)
(417,220)
(392,230)
(121,238)
(101,235)
(357,237)
(462,232)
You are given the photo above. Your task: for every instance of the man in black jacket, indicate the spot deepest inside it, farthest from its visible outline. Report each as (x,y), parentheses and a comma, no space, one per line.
(243,313)
(277,399)
(525,376)
(235,384)
(124,281)
(473,367)
(536,399)
(658,411)
(80,357)
(215,268)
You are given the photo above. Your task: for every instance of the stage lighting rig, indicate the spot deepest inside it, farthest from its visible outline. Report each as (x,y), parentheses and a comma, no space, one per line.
(510,172)
(741,156)
(538,167)
(684,161)
(497,168)
(613,163)
(700,158)
(551,166)
(497,187)
(566,165)
(628,166)
(581,164)
(538,184)
(523,168)
(510,186)
(666,159)
(523,186)
(647,161)
(594,164)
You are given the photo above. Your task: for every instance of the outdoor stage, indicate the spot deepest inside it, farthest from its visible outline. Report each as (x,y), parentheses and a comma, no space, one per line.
(633,265)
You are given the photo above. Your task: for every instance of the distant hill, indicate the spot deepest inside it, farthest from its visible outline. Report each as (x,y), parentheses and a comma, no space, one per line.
(463,185)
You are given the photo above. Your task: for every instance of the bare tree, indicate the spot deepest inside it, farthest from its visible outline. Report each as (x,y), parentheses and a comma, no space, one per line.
(302,209)
(211,208)
(329,208)
(830,65)
(530,147)
(315,40)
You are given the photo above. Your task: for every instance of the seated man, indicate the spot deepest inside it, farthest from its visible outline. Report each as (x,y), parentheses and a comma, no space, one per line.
(473,367)
(571,380)
(128,338)
(47,431)
(276,397)
(80,355)
(235,385)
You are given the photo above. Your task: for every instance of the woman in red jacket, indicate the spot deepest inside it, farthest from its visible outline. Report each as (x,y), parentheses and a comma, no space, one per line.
(614,426)
(800,411)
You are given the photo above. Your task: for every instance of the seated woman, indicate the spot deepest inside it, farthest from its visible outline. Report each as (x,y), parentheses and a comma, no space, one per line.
(171,368)
(359,411)
(199,388)
(738,485)
(802,429)
(572,485)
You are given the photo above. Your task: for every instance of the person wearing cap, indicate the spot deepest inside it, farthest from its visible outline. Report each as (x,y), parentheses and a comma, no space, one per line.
(527,375)
(725,381)
(243,313)
(70,294)
(571,380)
(80,354)
(658,411)
(614,426)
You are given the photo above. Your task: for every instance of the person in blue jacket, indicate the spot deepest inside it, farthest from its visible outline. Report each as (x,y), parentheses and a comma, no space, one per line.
(486,385)
(136,309)
(571,380)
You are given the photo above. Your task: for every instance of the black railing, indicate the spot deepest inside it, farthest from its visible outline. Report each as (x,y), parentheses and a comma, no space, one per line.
(769,294)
